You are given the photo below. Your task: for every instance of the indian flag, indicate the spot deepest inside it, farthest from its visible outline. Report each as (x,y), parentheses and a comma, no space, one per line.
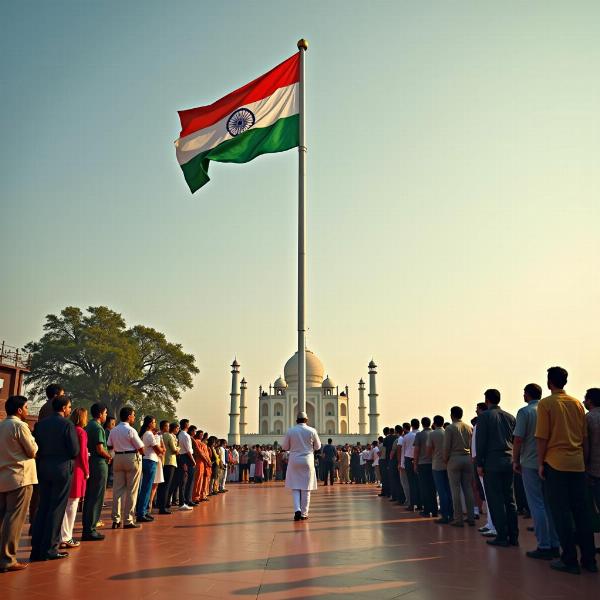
(259,118)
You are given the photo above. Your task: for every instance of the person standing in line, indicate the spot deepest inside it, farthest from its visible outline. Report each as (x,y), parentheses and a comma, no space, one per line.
(99,460)
(109,425)
(409,465)
(402,431)
(207,456)
(487,530)
(224,456)
(244,465)
(364,453)
(344,465)
(167,471)
(81,473)
(58,446)
(259,467)
(494,444)
(127,469)
(150,460)
(376,452)
(592,459)
(457,456)
(434,448)
(167,491)
(159,476)
(423,467)
(328,454)
(185,466)
(561,436)
(17,477)
(525,463)
(302,442)
(384,455)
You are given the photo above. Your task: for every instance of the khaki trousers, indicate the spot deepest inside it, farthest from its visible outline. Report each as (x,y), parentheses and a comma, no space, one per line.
(460,475)
(13,511)
(127,474)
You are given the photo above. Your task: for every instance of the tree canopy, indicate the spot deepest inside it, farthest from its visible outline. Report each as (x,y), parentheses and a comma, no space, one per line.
(96,358)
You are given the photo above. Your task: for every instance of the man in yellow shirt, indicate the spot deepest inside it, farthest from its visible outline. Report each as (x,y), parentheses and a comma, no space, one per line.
(561,438)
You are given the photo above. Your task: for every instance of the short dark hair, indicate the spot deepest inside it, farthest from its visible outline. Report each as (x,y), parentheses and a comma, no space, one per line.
(329,441)
(52,390)
(426,422)
(184,423)
(481,406)
(125,413)
(163,423)
(533,390)
(97,409)
(558,376)
(59,403)
(406,426)
(414,422)
(398,429)
(192,429)
(173,426)
(492,396)
(593,395)
(386,430)
(438,420)
(13,404)
(456,412)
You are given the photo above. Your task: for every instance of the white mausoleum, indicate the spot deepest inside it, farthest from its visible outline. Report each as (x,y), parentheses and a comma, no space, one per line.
(327,407)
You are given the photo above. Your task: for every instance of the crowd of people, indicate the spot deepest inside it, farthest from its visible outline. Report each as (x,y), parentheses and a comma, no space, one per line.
(543,464)
(71,457)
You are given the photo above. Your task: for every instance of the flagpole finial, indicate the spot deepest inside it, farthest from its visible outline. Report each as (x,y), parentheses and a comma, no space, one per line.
(302,44)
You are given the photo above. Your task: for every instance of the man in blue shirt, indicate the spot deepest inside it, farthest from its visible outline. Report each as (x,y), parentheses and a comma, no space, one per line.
(328,454)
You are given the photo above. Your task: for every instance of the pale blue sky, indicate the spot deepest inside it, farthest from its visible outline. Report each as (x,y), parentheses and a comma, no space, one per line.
(454,181)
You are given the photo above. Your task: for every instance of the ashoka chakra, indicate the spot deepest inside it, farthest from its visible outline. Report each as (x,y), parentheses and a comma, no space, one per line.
(239,121)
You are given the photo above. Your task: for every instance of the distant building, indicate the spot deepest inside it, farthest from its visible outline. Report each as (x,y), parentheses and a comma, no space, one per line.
(14,364)
(327,407)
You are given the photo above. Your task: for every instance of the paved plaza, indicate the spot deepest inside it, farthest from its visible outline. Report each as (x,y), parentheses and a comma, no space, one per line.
(243,544)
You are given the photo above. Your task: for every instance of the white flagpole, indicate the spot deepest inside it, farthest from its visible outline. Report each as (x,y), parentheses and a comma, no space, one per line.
(302,48)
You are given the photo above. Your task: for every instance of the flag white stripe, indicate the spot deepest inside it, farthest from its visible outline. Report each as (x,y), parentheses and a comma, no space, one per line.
(281,103)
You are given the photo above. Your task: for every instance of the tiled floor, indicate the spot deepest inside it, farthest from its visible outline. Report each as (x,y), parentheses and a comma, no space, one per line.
(244,545)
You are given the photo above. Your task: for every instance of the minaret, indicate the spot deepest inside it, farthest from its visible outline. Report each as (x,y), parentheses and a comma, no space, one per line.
(234,413)
(373,414)
(362,423)
(243,407)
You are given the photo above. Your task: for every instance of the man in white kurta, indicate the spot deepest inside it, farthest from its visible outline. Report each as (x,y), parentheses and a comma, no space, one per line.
(301,441)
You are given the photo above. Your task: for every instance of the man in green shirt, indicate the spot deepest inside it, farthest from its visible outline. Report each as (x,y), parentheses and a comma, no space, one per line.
(96,484)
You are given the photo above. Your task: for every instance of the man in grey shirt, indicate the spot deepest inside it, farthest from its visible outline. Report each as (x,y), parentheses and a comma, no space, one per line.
(422,462)
(525,462)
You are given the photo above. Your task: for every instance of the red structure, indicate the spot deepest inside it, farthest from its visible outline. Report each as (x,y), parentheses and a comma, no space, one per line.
(14,364)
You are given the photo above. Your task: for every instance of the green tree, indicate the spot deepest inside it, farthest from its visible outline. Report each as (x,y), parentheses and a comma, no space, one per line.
(97,359)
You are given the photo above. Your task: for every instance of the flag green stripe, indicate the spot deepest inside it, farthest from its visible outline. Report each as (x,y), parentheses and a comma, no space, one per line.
(280,136)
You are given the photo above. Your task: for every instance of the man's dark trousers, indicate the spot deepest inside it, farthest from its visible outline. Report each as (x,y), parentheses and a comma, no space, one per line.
(427,489)
(94,495)
(565,495)
(383,470)
(327,470)
(413,482)
(394,480)
(185,479)
(499,491)
(54,480)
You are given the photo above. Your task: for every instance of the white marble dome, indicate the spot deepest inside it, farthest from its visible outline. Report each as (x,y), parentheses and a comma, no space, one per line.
(328,383)
(280,383)
(314,370)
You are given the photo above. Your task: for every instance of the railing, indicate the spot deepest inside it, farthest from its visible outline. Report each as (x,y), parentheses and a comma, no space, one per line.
(13,357)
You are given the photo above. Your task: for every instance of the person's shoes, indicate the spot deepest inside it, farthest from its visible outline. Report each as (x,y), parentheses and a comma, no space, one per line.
(56,556)
(143,519)
(18,566)
(35,558)
(513,541)
(477,517)
(483,529)
(165,512)
(304,518)
(69,544)
(92,537)
(185,507)
(456,523)
(442,521)
(540,554)
(149,516)
(497,542)
(491,533)
(590,567)
(297,515)
(559,565)
(470,522)
(132,526)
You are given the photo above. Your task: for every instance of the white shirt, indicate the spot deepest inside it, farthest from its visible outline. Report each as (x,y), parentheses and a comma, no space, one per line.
(124,438)
(185,443)
(375,452)
(149,440)
(365,455)
(301,441)
(267,456)
(473,446)
(408,444)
